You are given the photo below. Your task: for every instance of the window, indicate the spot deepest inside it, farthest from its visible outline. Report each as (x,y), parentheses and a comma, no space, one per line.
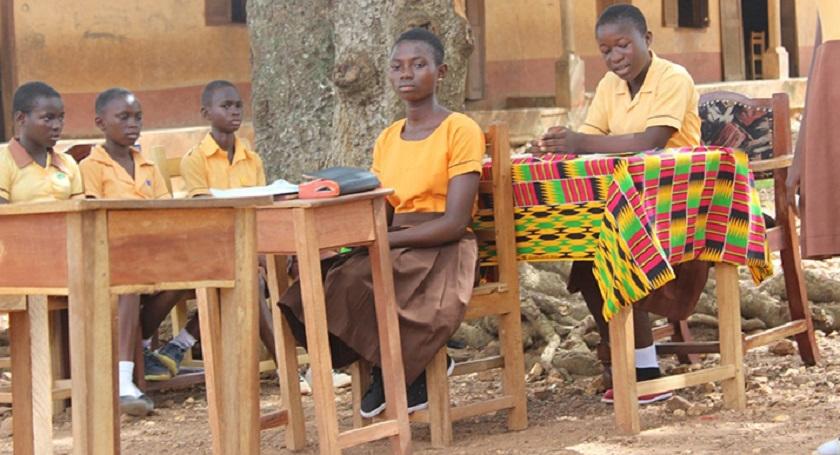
(685,13)
(223,12)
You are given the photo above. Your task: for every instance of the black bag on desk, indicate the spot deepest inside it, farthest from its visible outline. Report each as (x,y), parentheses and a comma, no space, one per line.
(346,180)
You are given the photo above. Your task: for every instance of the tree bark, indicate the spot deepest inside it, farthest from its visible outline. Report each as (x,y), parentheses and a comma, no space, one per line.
(319,89)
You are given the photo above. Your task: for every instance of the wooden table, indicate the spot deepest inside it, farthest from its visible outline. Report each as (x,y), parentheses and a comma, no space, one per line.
(92,251)
(304,227)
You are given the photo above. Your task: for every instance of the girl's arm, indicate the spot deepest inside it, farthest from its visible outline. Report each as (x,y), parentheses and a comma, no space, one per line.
(795,171)
(563,140)
(460,197)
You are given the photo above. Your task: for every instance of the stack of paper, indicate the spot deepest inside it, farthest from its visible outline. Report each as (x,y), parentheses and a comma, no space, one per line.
(278,187)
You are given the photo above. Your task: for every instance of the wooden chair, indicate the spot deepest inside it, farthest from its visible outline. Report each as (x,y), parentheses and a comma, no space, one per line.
(497,296)
(761,127)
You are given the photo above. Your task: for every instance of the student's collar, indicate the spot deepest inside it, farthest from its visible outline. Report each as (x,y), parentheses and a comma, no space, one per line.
(99,154)
(210,147)
(22,158)
(647,85)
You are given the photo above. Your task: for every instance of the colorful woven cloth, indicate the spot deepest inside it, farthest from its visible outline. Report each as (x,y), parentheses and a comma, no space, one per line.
(635,216)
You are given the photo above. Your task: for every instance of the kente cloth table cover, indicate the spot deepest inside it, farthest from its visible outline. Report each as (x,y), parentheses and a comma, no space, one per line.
(636,215)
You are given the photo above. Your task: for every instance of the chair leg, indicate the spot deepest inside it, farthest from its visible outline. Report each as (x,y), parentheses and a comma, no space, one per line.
(360,374)
(513,376)
(60,352)
(437,385)
(797,295)
(682,334)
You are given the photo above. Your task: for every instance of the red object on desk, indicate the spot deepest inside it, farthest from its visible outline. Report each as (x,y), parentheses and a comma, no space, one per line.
(317,189)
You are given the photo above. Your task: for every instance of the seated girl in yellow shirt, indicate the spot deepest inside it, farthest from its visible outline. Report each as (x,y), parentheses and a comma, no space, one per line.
(432,160)
(30,170)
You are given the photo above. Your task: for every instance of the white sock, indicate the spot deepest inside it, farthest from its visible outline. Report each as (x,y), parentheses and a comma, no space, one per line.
(646,357)
(127,387)
(184,340)
(147,343)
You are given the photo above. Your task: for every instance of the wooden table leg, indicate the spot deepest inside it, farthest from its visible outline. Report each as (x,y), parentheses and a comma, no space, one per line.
(389,332)
(729,330)
(287,364)
(93,346)
(623,355)
(32,378)
(236,373)
(315,318)
(207,302)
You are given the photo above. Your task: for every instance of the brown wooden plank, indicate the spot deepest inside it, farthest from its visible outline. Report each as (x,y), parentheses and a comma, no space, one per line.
(207,301)
(475,366)
(42,377)
(622,354)
(340,200)
(390,347)
(729,328)
(335,225)
(285,347)
(681,381)
(92,344)
(196,244)
(23,440)
(32,251)
(315,320)
(437,384)
(373,432)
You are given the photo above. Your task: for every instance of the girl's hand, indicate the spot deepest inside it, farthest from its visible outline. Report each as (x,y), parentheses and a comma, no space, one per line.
(558,139)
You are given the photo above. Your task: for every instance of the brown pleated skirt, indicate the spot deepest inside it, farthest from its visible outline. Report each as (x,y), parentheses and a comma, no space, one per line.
(819,201)
(432,286)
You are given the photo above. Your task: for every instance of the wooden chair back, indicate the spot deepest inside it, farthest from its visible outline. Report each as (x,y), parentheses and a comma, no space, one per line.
(170,168)
(761,127)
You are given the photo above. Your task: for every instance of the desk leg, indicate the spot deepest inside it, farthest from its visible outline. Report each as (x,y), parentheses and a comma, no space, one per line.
(389,332)
(315,319)
(234,357)
(285,347)
(207,302)
(93,346)
(729,331)
(623,354)
(32,378)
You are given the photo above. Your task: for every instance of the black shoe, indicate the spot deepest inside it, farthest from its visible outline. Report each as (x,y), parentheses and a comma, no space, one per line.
(373,403)
(418,397)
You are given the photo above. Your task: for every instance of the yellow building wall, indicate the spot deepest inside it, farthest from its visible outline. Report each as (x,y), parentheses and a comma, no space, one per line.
(161,49)
(524,40)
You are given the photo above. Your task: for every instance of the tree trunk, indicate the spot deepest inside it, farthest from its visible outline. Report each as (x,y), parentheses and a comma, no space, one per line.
(319,89)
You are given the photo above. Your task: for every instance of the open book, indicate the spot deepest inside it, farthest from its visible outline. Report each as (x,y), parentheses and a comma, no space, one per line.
(277,187)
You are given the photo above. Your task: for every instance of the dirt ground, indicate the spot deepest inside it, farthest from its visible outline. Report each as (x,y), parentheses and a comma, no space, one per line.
(791,410)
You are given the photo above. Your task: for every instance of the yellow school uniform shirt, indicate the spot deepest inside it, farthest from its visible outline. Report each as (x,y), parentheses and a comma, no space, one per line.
(24,180)
(419,171)
(206,166)
(104,178)
(829,11)
(667,97)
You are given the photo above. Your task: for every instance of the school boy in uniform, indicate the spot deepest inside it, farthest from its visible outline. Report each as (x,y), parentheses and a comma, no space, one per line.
(117,170)
(30,170)
(644,102)
(221,160)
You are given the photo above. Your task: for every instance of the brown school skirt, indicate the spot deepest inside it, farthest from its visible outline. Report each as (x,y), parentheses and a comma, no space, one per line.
(432,286)
(675,300)
(819,201)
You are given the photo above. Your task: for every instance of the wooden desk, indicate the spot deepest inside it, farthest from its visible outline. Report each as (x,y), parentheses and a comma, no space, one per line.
(304,227)
(93,250)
